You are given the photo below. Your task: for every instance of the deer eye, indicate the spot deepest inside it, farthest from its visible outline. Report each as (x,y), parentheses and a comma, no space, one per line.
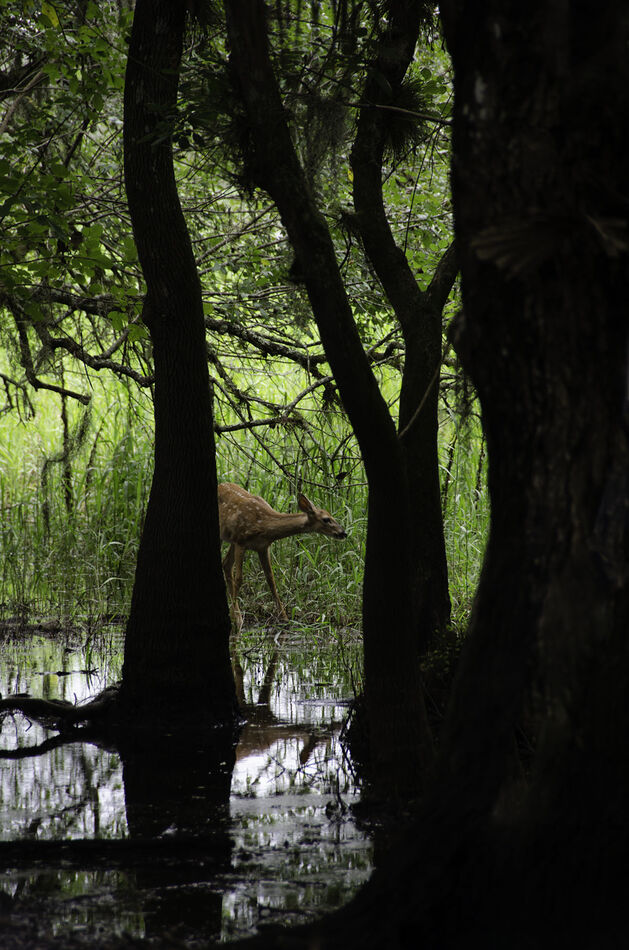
(327,520)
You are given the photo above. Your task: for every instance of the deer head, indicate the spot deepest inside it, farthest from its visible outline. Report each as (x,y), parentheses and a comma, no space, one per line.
(320,520)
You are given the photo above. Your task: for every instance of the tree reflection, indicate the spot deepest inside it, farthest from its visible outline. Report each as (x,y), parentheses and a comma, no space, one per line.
(105,837)
(181,793)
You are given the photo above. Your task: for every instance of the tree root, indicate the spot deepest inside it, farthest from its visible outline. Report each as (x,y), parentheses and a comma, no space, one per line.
(60,714)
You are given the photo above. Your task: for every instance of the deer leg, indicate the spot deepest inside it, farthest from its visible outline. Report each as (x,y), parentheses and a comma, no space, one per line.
(228,565)
(265,561)
(232,566)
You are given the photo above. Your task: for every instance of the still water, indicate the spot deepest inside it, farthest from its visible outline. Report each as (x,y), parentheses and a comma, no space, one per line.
(289,849)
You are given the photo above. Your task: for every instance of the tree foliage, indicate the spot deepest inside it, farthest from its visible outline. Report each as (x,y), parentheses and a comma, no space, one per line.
(69,275)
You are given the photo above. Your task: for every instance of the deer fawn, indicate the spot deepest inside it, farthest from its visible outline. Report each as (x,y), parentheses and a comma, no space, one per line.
(248,523)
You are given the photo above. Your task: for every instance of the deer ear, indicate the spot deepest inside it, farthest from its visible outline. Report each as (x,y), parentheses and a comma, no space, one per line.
(305,505)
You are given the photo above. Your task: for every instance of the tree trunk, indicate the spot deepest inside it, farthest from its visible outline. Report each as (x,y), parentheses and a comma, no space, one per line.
(544,338)
(176,649)
(419,429)
(419,314)
(395,710)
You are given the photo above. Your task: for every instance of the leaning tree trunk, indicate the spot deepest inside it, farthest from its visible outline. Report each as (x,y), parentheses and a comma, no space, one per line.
(419,314)
(397,726)
(176,649)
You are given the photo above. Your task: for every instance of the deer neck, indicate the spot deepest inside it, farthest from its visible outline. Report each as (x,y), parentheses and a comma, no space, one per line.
(284,525)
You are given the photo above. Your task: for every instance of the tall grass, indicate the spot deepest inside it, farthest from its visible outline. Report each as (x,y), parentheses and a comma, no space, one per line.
(465,507)
(72,561)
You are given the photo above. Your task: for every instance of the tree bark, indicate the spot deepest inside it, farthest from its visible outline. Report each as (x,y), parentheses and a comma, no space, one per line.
(420,317)
(395,711)
(538,168)
(176,650)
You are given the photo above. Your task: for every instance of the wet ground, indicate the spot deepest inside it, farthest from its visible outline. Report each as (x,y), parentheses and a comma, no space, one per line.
(283,849)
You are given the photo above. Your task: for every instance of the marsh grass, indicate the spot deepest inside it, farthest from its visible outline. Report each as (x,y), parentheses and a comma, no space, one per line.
(72,559)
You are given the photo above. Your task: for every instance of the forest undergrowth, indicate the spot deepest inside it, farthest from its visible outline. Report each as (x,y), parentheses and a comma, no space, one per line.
(74,487)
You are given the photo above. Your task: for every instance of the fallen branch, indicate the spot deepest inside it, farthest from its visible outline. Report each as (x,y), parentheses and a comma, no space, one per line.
(58,713)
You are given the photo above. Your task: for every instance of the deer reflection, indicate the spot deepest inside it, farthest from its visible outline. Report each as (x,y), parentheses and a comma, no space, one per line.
(263,728)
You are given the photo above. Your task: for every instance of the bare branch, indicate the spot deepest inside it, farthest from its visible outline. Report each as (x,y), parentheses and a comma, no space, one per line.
(94,362)
(306,360)
(26,361)
(283,416)
(39,75)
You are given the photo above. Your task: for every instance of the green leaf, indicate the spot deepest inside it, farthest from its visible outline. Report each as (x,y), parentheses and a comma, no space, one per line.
(40,268)
(33,310)
(48,16)
(118,319)
(137,331)
(129,251)
(50,13)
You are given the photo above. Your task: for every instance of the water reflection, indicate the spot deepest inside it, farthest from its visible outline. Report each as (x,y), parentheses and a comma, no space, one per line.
(273,836)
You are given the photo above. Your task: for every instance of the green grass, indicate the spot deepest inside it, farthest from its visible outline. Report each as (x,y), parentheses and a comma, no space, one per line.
(465,504)
(74,562)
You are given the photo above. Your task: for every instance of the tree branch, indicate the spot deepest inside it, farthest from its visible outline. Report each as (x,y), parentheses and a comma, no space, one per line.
(443,279)
(393,58)
(230,328)
(26,362)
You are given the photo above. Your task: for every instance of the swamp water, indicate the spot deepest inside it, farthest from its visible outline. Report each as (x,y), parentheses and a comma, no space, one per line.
(287,848)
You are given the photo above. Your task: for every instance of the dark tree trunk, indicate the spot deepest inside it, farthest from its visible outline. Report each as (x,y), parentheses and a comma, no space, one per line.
(419,429)
(394,699)
(419,314)
(539,167)
(176,649)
